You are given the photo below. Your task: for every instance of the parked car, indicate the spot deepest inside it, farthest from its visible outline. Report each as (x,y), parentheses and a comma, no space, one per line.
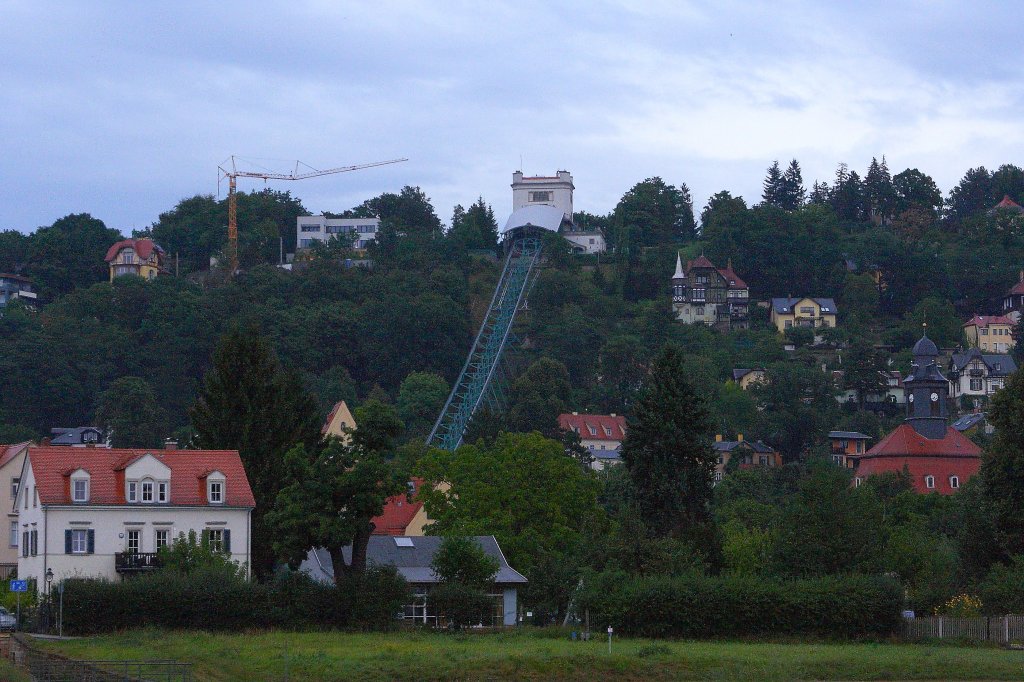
(7,620)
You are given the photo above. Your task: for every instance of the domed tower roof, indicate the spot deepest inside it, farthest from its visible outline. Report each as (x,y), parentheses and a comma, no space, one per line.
(925,347)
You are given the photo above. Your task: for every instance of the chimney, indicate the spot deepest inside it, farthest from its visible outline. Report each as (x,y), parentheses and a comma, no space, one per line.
(170,444)
(739,437)
(45,443)
(718,438)
(575,414)
(613,414)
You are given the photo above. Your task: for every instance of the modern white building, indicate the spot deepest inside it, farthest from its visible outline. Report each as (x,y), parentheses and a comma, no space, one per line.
(586,241)
(105,513)
(312,228)
(543,190)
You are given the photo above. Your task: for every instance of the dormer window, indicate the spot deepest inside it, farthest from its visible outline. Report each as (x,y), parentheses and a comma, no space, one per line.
(147,491)
(215,488)
(80,486)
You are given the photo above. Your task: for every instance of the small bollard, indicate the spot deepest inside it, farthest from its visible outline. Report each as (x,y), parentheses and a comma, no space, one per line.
(573,635)
(609,639)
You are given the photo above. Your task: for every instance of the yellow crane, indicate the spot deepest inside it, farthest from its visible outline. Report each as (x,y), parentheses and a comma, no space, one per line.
(230,171)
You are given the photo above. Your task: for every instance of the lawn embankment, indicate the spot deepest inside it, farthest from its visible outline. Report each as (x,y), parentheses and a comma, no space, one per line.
(536,655)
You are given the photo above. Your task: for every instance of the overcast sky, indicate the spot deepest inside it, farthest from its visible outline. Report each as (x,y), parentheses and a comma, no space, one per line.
(121,109)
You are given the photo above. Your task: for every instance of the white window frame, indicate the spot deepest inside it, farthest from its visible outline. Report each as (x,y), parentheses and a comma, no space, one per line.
(159,542)
(136,535)
(147,485)
(79,541)
(216,539)
(14,533)
(15,482)
(215,485)
(163,489)
(132,491)
(929,482)
(954,482)
(85,489)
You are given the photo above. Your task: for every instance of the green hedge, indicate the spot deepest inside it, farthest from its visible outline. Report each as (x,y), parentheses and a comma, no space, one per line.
(214,600)
(696,605)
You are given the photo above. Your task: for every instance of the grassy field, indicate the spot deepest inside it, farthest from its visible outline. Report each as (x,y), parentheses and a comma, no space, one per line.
(533,655)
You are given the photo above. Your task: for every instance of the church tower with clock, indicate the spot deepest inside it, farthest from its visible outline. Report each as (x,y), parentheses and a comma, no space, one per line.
(927,391)
(937,457)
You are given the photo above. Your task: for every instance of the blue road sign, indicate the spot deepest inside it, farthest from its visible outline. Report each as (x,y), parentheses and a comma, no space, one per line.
(19,586)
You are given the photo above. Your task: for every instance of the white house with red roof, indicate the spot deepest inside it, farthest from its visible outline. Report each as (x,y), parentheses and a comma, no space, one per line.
(11,459)
(99,512)
(601,434)
(705,293)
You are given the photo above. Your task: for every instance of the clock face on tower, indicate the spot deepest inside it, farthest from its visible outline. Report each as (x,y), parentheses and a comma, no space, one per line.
(911,397)
(935,397)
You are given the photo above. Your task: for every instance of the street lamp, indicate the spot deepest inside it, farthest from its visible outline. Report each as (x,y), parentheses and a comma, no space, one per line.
(49,579)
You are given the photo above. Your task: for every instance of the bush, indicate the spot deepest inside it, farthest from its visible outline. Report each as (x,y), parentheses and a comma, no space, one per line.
(1002,591)
(696,605)
(212,599)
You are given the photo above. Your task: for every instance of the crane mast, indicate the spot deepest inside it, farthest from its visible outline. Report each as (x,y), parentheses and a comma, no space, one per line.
(232,174)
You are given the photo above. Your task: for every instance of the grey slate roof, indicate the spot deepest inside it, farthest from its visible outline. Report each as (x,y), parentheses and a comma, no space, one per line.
(75,436)
(413,563)
(1005,363)
(849,435)
(730,445)
(784,305)
(741,372)
(968,421)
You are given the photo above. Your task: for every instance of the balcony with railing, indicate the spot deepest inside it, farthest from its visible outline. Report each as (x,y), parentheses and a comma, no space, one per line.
(134,562)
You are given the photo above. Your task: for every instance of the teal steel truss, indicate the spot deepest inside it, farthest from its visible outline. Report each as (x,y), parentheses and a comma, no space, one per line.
(483,378)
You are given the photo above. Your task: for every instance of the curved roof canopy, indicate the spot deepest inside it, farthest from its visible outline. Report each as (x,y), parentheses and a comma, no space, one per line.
(539,215)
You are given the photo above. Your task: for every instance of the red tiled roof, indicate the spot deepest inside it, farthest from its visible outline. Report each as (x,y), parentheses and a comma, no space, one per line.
(701,262)
(330,417)
(732,278)
(904,441)
(52,465)
(398,513)
(986,320)
(8,452)
(1007,202)
(143,246)
(1018,288)
(583,423)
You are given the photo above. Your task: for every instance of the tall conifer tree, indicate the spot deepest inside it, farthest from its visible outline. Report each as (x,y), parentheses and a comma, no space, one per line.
(667,452)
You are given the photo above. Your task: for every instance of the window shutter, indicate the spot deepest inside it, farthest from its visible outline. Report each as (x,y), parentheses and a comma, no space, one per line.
(24,543)
(67,542)
(91,541)
(227,541)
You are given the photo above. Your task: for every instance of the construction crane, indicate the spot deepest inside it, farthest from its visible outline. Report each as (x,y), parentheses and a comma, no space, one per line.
(232,174)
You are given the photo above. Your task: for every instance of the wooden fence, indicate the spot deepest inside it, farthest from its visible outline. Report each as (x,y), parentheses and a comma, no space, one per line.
(1001,629)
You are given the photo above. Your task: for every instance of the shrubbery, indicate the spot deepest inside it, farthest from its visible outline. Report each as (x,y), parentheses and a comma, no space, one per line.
(216,600)
(696,605)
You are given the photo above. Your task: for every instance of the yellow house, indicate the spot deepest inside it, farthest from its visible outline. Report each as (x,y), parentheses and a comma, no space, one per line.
(746,378)
(338,421)
(803,312)
(139,257)
(990,333)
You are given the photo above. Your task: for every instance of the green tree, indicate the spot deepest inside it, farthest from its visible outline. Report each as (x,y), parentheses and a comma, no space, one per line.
(878,192)
(914,189)
(829,526)
(792,194)
(461,560)
(130,414)
(667,449)
(652,213)
(249,403)
(538,396)
(69,254)
(409,212)
(523,489)
(796,405)
(773,190)
(1002,468)
(420,399)
(864,371)
(474,228)
(331,498)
